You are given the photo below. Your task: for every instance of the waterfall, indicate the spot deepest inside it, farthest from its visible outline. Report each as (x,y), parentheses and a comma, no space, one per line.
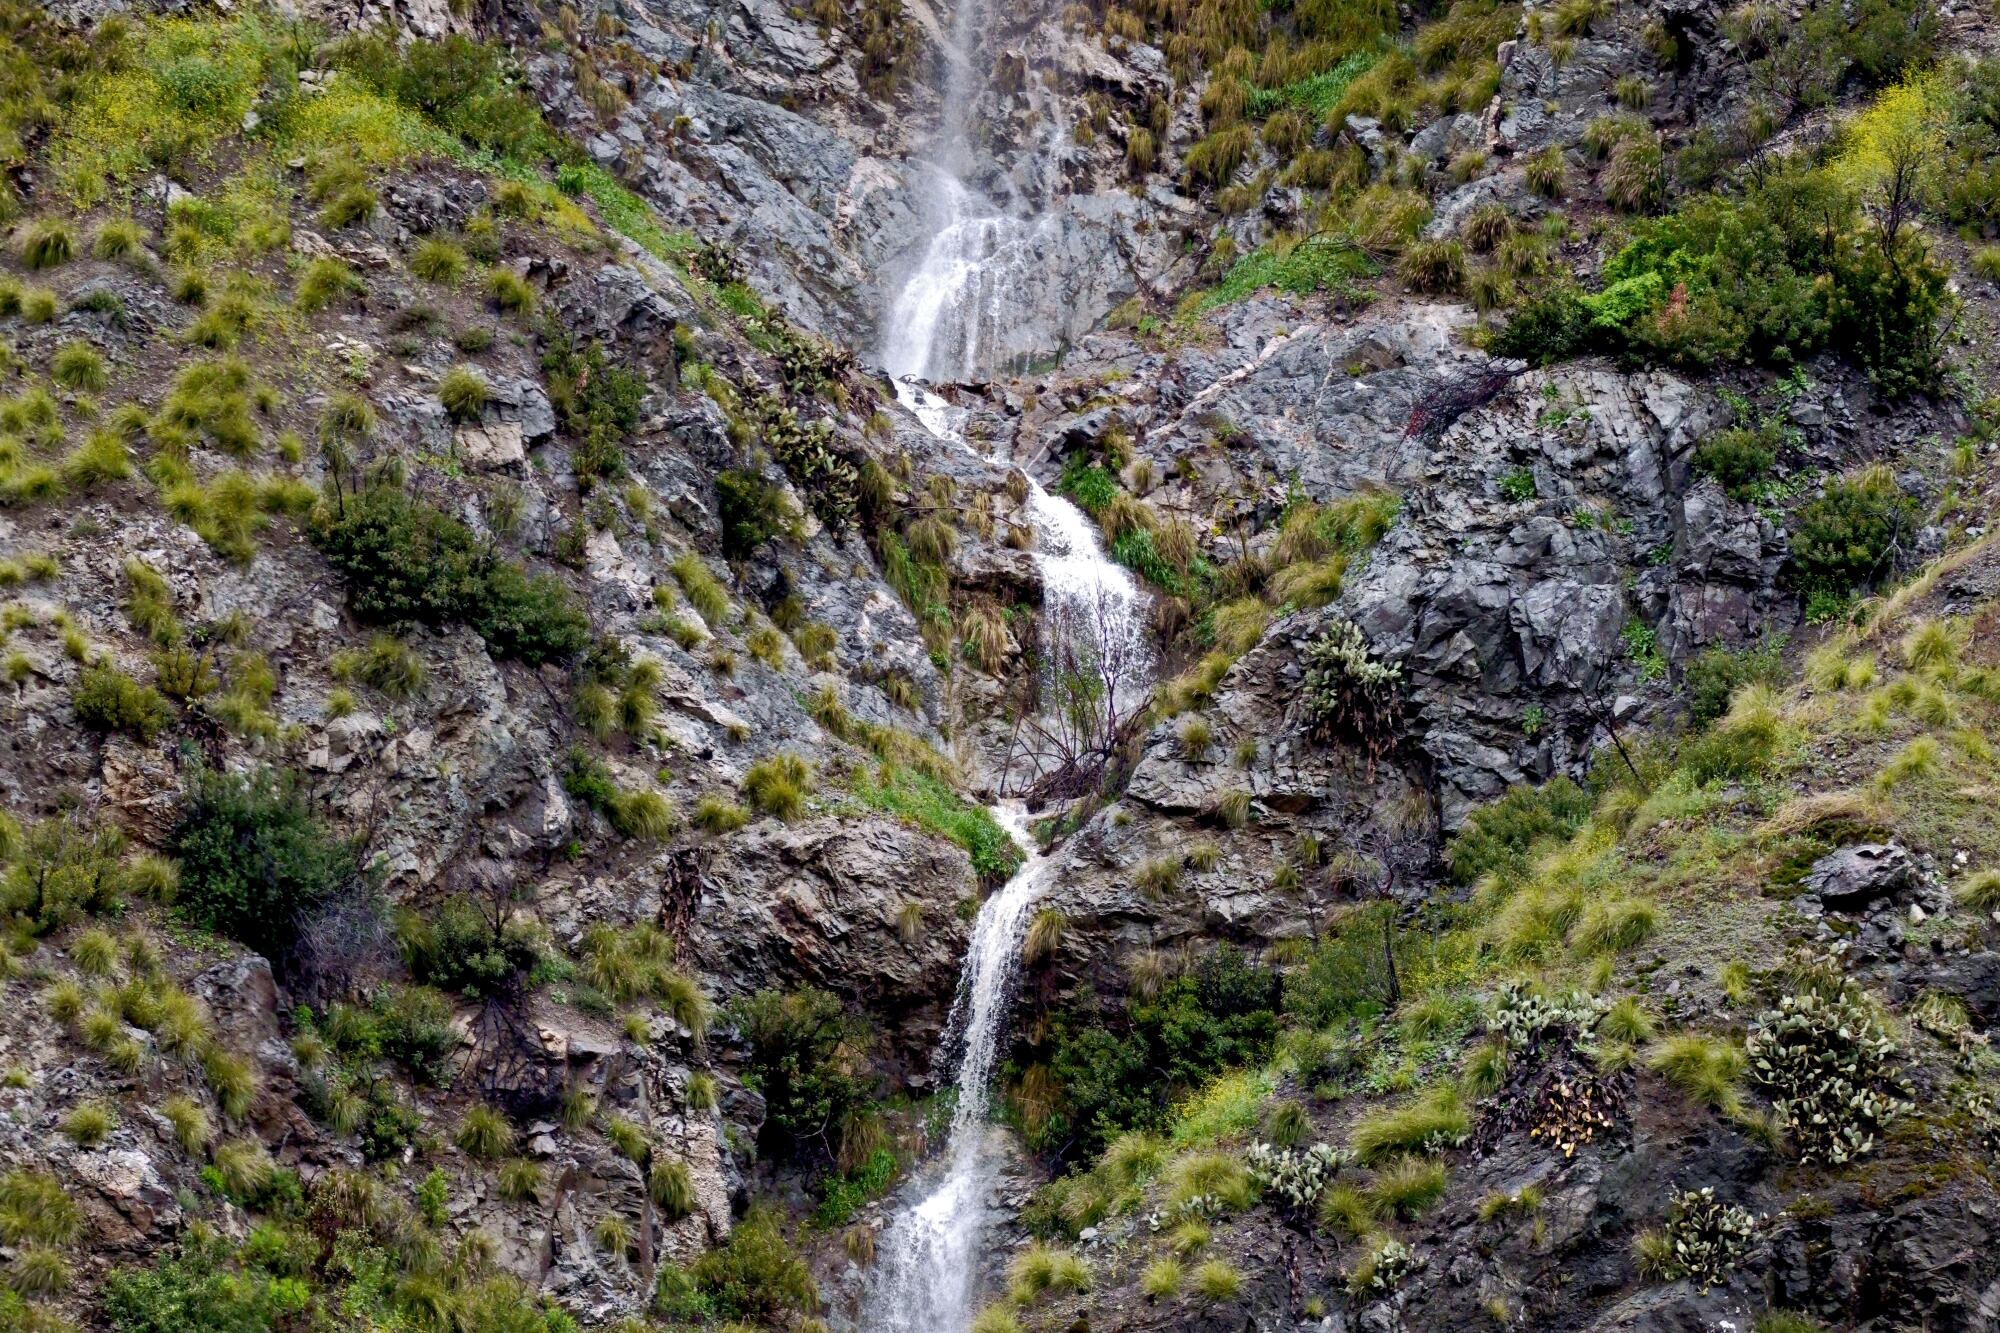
(960,313)
(928,1270)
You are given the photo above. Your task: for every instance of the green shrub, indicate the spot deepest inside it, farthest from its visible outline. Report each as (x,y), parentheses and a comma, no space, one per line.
(1715,674)
(756,1274)
(464,85)
(597,403)
(1739,458)
(405,561)
(199,1287)
(752,511)
(456,946)
(1889,310)
(808,1058)
(1847,538)
(106,699)
(1124,1070)
(1502,836)
(254,857)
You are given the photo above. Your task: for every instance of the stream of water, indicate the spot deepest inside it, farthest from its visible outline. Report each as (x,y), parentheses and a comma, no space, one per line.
(950,321)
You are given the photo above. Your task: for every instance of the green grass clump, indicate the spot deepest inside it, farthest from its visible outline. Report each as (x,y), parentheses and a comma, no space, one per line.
(672,1189)
(1040,1269)
(510,292)
(439,261)
(701,589)
(1707,1069)
(77,366)
(47,243)
(101,459)
(326,281)
(1407,1186)
(777,785)
(1436,1121)
(463,391)
(387,664)
(484,1133)
(117,238)
(1216,1281)
(1162,1278)
(520,1180)
(716,814)
(89,1124)
(934,807)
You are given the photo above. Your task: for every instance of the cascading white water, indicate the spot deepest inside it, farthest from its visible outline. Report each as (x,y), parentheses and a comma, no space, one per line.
(953,319)
(927,1273)
(927,1276)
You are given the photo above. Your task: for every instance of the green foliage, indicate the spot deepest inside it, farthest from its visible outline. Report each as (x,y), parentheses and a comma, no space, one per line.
(752,511)
(597,403)
(1847,538)
(1300,268)
(198,1287)
(465,86)
(777,785)
(106,699)
(1090,487)
(1316,94)
(63,868)
(326,281)
(77,365)
(463,391)
(934,807)
(756,1274)
(457,945)
(405,561)
(1830,1069)
(438,260)
(1714,674)
(484,1133)
(1740,457)
(254,857)
(809,1059)
(47,243)
(841,1196)
(1436,1121)
(1502,836)
(1117,1072)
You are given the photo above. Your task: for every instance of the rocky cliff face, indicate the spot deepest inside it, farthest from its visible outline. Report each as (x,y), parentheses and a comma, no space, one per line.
(501,695)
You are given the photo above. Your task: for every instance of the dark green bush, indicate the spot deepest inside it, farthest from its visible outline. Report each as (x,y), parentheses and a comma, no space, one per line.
(255,858)
(809,1058)
(1889,308)
(1847,538)
(1123,1072)
(405,561)
(1739,458)
(200,1287)
(597,401)
(752,511)
(455,946)
(1715,673)
(754,1275)
(1501,836)
(1553,327)
(106,699)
